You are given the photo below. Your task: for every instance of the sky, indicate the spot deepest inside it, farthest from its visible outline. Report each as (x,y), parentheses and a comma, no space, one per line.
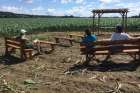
(80,8)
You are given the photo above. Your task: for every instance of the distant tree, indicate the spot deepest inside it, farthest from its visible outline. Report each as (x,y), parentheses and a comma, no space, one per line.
(136,16)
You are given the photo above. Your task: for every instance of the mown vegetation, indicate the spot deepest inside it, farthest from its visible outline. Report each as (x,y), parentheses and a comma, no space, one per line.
(12,26)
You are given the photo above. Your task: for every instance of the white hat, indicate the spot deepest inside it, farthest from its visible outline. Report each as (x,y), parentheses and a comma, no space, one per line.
(36,40)
(23,31)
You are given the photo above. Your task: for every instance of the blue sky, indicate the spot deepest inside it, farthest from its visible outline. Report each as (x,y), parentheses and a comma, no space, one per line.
(67,7)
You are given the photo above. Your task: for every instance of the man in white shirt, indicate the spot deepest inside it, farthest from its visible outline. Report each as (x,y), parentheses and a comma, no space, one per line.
(118,35)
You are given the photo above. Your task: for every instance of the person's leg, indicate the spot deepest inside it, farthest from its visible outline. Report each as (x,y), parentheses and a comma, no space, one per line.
(37,47)
(107,57)
(89,55)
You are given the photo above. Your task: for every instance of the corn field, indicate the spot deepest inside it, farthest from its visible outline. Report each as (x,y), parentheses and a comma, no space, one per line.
(12,26)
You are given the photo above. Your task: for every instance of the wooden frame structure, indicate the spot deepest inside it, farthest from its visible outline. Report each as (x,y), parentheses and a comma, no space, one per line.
(100,12)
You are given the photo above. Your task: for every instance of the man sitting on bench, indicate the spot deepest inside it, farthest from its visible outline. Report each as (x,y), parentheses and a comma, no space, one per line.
(88,39)
(28,44)
(118,35)
(87,42)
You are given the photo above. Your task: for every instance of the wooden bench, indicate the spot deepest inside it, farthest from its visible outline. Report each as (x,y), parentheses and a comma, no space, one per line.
(70,40)
(12,44)
(75,36)
(107,47)
(44,42)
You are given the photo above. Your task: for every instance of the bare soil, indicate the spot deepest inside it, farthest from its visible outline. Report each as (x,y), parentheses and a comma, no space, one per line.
(62,72)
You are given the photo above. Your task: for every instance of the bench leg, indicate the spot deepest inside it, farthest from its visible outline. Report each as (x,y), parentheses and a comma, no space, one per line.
(139,56)
(23,56)
(57,40)
(71,42)
(107,57)
(6,51)
(70,36)
(30,55)
(52,47)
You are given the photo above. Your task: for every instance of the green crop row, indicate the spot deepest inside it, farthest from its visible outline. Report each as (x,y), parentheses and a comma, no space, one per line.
(12,26)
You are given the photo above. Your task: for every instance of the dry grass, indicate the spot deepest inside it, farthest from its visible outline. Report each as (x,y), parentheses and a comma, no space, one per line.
(61,72)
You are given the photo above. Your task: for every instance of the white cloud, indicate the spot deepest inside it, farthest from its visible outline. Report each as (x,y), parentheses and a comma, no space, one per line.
(28,1)
(73,10)
(11,9)
(79,1)
(109,1)
(54,12)
(69,1)
(51,10)
(80,11)
(59,13)
(38,9)
(82,8)
(65,1)
(134,9)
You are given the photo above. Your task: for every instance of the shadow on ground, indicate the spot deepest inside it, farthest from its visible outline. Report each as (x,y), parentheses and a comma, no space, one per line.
(10,60)
(108,66)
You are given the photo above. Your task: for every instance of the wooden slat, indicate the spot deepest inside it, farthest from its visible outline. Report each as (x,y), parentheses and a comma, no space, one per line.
(28,50)
(108,42)
(64,38)
(47,42)
(76,35)
(13,42)
(13,46)
(122,47)
(133,51)
(100,48)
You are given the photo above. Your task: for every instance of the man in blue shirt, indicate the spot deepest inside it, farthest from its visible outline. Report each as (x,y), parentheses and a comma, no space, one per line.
(88,39)
(87,42)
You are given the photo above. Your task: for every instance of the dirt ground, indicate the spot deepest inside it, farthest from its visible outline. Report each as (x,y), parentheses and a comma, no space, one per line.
(62,72)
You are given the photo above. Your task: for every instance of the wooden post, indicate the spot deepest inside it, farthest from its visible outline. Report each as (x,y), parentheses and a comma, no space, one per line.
(57,40)
(30,54)
(52,47)
(93,26)
(70,36)
(99,17)
(22,52)
(125,21)
(71,42)
(6,47)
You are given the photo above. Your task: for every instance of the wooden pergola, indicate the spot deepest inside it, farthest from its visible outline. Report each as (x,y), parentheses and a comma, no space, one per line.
(100,12)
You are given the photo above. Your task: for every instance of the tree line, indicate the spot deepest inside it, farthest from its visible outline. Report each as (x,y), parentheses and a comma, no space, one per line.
(15,15)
